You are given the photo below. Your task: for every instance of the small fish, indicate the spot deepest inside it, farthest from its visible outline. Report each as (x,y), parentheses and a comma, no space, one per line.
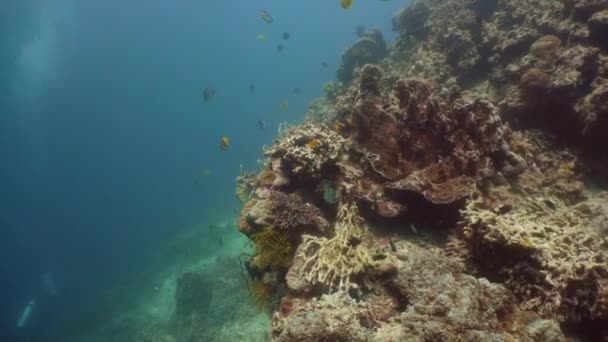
(284,105)
(252,88)
(346,4)
(296,90)
(313,144)
(286,35)
(266,16)
(206,173)
(208,94)
(280,48)
(261,124)
(414,229)
(261,37)
(235,211)
(324,65)
(392,244)
(224,143)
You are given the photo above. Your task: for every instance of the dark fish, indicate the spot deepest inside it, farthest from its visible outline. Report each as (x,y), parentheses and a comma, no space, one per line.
(234,210)
(286,35)
(208,94)
(252,88)
(360,30)
(261,124)
(325,65)
(280,48)
(266,16)
(296,90)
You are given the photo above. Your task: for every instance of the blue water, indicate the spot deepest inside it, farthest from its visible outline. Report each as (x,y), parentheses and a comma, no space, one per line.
(103,131)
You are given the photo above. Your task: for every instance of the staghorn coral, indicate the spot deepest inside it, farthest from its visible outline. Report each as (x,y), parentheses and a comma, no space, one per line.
(337,262)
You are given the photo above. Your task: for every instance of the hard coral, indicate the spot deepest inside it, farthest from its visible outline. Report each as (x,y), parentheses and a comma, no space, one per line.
(285,212)
(295,155)
(442,304)
(340,262)
(546,253)
(370,48)
(413,140)
(447,305)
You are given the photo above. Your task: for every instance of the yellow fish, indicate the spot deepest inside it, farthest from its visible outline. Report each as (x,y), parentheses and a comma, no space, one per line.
(313,144)
(206,173)
(346,4)
(284,105)
(261,37)
(224,143)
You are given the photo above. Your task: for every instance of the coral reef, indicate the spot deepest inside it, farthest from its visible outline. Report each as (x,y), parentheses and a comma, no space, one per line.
(561,265)
(369,48)
(443,304)
(442,147)
(305,151)
(277,210)
(504,49)
(336,262)
(425,197)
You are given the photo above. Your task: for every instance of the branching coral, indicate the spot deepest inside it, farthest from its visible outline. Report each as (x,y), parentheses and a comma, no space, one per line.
(338,261)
